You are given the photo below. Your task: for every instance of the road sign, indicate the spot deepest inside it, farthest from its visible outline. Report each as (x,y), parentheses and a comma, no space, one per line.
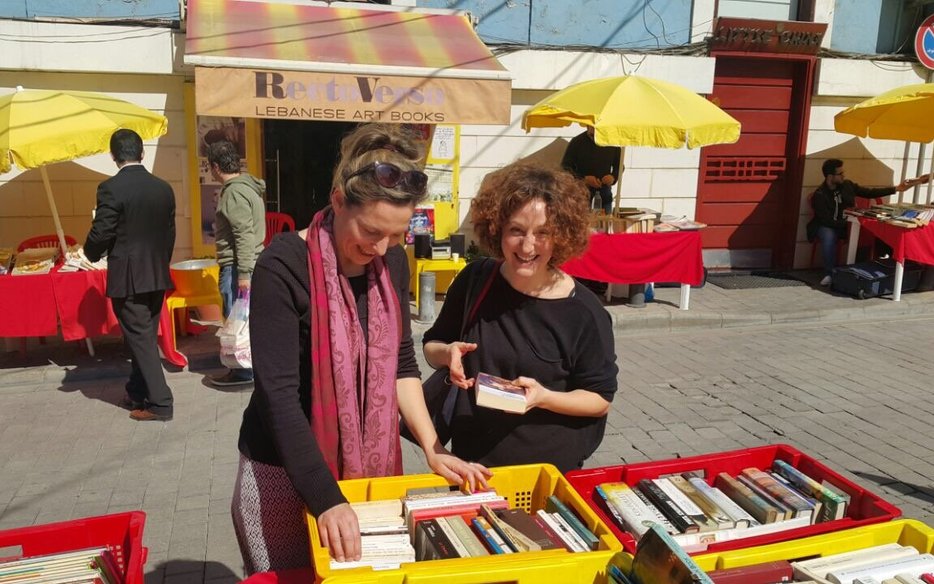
(924,42)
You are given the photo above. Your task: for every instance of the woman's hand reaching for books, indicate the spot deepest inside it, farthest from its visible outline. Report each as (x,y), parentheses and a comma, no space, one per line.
(471,475)
(456,352)
(340,532)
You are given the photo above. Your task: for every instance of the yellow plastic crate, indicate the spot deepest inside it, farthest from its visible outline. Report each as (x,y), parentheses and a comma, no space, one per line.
(525,487)
(908,532)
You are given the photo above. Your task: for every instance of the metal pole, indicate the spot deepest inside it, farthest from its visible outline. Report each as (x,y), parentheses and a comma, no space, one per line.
(426,296)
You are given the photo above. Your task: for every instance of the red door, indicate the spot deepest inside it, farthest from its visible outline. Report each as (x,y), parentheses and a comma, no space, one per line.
(749,192)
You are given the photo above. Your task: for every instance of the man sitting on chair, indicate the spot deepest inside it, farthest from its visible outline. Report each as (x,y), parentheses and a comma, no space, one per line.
(829,201)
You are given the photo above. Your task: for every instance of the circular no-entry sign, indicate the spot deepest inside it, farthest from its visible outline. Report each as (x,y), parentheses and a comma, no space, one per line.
(924,42)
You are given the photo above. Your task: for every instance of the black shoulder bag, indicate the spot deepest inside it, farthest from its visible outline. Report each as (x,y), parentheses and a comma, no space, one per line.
(440,393)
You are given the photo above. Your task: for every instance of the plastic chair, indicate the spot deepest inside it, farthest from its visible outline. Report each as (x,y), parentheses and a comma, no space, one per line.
(44,241)
(277,223)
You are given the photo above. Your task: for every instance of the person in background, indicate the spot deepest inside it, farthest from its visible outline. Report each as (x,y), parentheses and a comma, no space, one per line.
(536,327)
(597,166)
(240,229)
(831,198)
(334,361)
(134,225)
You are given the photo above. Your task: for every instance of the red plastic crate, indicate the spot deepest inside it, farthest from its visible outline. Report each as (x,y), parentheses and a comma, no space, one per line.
(865,507)
(122,532)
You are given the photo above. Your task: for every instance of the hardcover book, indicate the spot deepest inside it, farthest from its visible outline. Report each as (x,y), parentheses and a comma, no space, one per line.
(663,502)
(747,499)
(500,394)
(659,560)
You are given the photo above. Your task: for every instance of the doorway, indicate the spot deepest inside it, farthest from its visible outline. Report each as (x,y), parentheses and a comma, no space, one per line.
(299,159)
(749,192)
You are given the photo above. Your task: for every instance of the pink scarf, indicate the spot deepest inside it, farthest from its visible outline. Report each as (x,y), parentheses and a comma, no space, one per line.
(354,407)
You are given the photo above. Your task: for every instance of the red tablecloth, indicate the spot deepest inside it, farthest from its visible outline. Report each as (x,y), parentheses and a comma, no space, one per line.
(33,306)
(27,306)
(914,244)
(637,258)
(82,304)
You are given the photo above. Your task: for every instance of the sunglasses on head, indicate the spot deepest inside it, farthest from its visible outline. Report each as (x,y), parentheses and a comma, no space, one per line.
(390,176)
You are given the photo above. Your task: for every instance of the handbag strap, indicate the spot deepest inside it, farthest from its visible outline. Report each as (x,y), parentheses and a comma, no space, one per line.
(490,267)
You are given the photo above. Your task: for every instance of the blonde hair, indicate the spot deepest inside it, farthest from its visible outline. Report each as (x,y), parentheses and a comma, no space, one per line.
(369,143)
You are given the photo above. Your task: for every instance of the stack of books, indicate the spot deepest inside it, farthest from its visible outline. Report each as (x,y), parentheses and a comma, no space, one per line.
(6,258)
(75,261)
(91,566)
(890,563)
(39,260)
(698,512)
(433,524)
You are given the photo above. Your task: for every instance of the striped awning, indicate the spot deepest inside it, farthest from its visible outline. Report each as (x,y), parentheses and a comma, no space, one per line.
(263,59)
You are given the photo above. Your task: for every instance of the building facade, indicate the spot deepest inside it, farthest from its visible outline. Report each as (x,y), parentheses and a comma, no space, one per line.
(784,75)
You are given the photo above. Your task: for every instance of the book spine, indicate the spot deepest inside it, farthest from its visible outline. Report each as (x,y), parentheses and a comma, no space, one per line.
(552,534)
(818,567)
(467,536)
(484,530)
(516,539)
(711,510)
(916,565)
(441,545)
(660,499)
(737,513)
(659,516)
(697,576)
(815,504)
(630,511)
(459,546)
(567,532)
(745,498)
(784,512)
(576,524)
(778,492)
(834,506)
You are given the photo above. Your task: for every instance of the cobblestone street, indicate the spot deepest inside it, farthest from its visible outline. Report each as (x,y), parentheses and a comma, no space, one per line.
(856,395)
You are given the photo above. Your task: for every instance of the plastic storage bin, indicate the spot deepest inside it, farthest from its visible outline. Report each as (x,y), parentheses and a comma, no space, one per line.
(865,507)
(122,532)
(526,487)
(907,532)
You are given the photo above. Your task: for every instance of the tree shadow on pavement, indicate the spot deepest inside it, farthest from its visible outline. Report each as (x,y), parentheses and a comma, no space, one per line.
(190,572)
(923,493)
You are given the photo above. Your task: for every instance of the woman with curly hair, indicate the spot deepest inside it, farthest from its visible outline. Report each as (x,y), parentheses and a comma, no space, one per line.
(536,326)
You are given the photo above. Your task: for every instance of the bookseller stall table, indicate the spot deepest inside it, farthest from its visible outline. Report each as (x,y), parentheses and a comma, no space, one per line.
(913,244)
(419,265)
(639,258)
(35,306)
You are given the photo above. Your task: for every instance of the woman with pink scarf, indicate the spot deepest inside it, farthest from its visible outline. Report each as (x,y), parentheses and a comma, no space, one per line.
(334,361)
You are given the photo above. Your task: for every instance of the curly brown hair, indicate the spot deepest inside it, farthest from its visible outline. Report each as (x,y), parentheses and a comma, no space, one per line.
(507,190)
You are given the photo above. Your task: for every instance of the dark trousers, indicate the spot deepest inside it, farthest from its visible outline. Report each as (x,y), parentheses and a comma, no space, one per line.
(139,320)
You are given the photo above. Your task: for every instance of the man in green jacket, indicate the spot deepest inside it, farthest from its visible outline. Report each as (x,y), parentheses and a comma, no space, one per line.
(239,232)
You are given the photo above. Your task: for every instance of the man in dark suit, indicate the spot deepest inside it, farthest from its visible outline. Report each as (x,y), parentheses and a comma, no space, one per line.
(134,224)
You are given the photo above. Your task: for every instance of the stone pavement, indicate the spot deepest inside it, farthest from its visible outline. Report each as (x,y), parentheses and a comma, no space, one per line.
(838,384)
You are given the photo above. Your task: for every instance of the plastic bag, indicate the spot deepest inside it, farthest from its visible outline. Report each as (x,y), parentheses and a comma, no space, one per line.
(235,336)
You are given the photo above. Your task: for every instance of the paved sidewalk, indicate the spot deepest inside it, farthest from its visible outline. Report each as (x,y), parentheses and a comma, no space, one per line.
(67,450)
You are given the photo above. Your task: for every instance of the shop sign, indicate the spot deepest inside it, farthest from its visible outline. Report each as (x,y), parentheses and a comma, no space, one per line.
(767,36)
(302,95)
(924,42)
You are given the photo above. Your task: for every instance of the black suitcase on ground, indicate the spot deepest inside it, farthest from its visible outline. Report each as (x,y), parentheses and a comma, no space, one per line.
(875,278)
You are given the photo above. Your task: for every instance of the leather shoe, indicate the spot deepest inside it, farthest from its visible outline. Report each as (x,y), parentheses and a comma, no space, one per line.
(149,416)
(128,403)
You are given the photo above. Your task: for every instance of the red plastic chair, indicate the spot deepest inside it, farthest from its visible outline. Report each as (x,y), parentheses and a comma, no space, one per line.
(44,241)
(277,223)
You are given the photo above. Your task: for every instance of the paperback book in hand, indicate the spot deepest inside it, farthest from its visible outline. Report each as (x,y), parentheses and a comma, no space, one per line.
(501,394)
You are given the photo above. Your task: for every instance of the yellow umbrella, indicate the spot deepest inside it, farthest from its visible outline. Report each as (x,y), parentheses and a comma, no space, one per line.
(636,111)
(905,113)
(40,127)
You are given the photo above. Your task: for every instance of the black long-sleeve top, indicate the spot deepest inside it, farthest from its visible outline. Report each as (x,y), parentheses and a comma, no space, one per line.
(829,204)
(276,426)
(564,343)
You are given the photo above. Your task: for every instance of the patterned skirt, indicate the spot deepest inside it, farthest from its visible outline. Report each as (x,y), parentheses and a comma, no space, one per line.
(269,519)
